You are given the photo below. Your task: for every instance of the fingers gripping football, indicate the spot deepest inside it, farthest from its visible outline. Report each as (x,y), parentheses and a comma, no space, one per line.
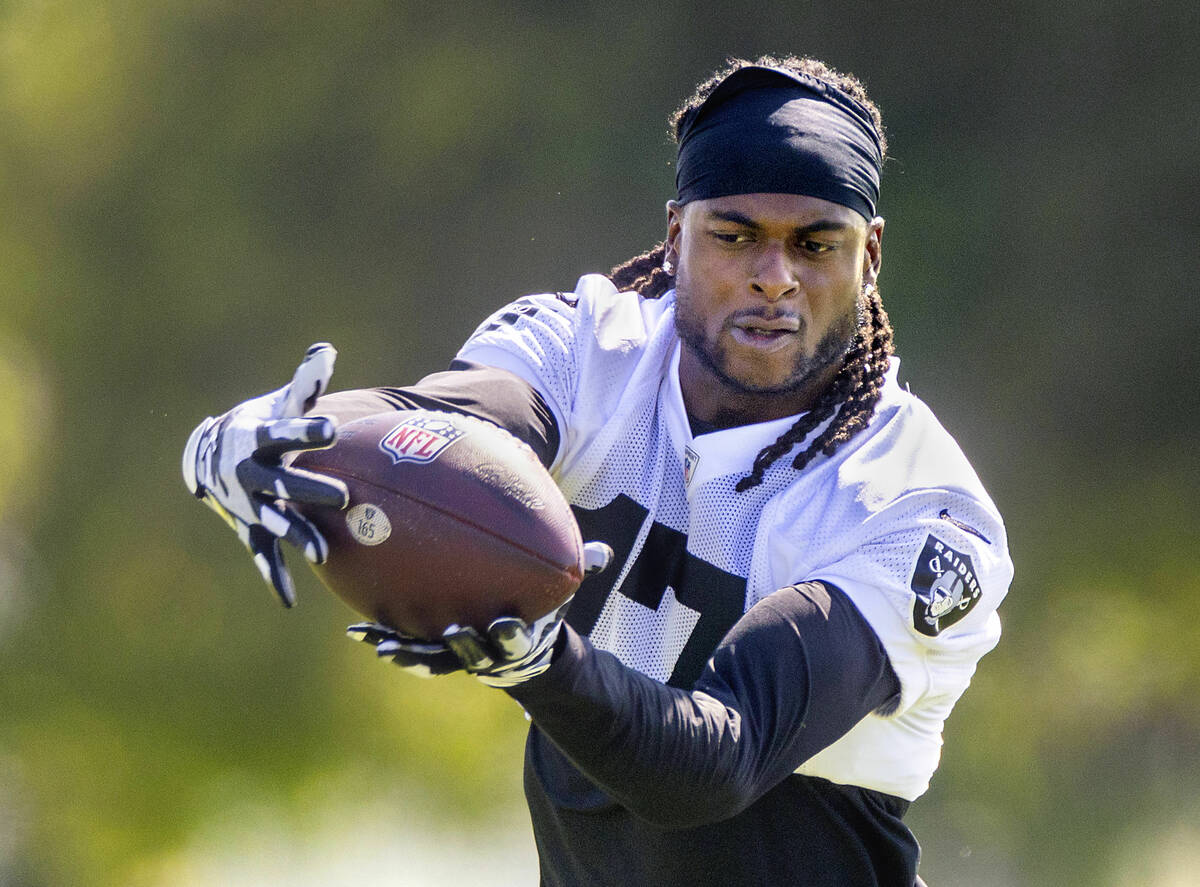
(236,464)
(424,659)
(509,653)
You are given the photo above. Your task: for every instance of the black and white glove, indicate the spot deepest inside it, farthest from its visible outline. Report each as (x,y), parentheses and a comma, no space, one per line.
(236,464)
(510,653)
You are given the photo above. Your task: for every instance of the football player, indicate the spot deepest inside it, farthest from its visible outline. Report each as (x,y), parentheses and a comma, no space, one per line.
(804,567)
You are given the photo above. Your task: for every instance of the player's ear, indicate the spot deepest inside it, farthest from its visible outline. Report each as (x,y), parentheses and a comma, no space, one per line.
(674,227)
(873,250)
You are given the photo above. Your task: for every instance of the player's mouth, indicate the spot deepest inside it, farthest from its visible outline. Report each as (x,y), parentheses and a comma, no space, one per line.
(765,334)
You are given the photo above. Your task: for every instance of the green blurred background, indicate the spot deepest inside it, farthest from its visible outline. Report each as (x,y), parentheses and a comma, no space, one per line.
(192,192)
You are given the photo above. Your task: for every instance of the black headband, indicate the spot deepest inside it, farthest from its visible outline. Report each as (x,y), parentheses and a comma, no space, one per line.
(774,131)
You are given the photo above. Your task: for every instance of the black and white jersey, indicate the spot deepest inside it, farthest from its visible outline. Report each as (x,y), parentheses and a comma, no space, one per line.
(896,519)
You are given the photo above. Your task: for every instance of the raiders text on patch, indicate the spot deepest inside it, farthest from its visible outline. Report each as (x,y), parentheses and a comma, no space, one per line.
(420,439)
(946,587)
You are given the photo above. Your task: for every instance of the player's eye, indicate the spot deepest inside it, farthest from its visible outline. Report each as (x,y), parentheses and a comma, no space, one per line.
(816,246)
(732,236)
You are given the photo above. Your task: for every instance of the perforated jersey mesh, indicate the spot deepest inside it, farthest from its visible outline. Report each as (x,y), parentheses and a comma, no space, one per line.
(539,331)
(858,519)
(644,639)
(725,523)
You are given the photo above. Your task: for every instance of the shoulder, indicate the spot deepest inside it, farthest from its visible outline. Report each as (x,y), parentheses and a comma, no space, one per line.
(906,474)
(905,448)
(904,455)
(899,520)
(581,350)
(595,315)
(615,320)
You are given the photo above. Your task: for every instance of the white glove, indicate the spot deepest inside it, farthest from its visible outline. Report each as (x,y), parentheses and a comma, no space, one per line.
(235,464)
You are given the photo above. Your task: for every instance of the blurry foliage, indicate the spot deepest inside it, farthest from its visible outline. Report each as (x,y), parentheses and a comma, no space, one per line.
(191,192)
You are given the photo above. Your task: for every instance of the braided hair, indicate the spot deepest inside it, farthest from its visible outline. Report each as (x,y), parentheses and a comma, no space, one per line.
(852,394)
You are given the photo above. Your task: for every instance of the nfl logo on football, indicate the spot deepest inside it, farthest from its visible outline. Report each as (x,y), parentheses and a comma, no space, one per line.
(419,439)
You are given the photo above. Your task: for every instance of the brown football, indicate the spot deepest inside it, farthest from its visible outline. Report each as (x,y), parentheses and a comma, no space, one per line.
(451,520)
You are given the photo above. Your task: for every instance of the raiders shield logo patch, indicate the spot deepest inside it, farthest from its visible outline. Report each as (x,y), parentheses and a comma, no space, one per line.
(419,439)
(946,587)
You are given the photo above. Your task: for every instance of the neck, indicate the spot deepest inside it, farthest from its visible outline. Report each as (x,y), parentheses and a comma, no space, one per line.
(723,404)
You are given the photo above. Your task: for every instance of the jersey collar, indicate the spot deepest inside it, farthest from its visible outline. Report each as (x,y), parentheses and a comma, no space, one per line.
(730,450)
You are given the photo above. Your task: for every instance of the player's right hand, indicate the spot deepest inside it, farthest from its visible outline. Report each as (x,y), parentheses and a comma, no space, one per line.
(510,653)
(236,465)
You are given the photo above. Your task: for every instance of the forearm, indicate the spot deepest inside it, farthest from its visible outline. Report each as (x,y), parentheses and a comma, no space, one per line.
(637,739)
(769,700)
(484,392)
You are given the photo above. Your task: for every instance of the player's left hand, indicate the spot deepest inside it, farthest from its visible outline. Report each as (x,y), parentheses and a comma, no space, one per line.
(237,464)
(509,653)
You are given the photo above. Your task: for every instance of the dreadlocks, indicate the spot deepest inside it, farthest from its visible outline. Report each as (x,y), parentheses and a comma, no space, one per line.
(852,394)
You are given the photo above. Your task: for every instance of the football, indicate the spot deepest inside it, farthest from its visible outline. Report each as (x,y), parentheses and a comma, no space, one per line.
(451,520)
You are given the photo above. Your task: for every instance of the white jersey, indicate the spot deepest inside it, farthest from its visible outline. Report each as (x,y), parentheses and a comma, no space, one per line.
(896,519)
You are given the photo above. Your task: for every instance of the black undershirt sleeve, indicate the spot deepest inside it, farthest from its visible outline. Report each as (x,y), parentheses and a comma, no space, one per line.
(793,675)
(496,395)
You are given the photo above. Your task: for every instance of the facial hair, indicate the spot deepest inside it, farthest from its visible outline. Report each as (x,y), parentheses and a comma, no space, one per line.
(830,350)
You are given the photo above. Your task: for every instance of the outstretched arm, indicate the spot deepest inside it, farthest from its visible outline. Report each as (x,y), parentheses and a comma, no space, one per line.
(485,392)
(239,463)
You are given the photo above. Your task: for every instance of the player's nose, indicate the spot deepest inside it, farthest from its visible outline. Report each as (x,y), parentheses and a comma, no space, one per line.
(773,276)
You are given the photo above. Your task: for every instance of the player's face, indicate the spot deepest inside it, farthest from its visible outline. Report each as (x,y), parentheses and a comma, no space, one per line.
(768,296)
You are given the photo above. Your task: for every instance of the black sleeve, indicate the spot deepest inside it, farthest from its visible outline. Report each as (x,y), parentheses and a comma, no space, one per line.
(496,395)
(793,675)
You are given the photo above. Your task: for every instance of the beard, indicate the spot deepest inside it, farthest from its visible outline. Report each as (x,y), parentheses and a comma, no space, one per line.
(829,352)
